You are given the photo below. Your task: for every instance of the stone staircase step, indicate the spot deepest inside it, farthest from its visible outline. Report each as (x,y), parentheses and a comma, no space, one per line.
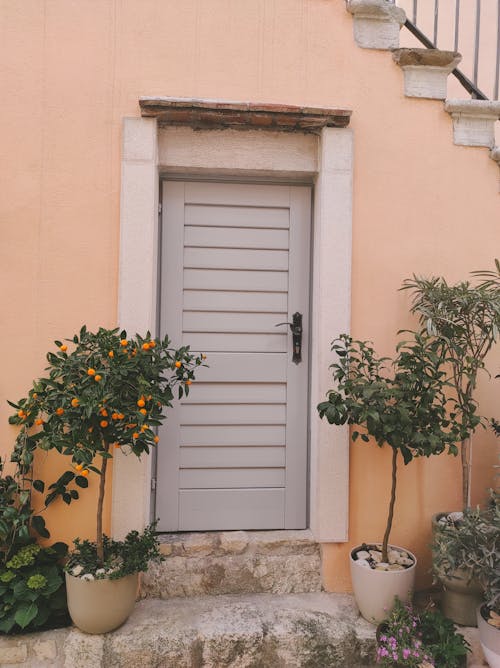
(235,562)
(316,630)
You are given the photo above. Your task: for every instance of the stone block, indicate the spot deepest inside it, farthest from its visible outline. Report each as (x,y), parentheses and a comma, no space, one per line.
(45,649)
(473,121)
(13,653)
(376,23)
(426,71)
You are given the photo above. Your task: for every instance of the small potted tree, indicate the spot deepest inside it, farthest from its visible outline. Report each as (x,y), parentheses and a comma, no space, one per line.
(466,319)
(399,403)
(104,393)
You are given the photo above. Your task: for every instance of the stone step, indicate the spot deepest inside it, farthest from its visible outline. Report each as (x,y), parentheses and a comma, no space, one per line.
(316,630)
(235,562)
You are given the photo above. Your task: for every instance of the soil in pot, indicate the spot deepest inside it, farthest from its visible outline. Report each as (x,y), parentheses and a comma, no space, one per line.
(376,584)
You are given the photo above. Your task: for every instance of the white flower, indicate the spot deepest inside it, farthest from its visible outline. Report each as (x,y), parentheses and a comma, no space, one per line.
(77,570)
(87,577)
(100,571)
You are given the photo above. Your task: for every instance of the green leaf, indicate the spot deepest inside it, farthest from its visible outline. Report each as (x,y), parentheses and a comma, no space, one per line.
(25,613)
(81,481)
(38,523)
(39,485)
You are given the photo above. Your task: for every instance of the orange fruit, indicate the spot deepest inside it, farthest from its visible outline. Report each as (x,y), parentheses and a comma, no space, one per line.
(188,382)
(91,372)
(79,467)
(178,364)
(111,354)
(152,344)
(134,353)
(135,435)
(145,346)
(90,430)
(156,439)
(39,421)
(85,472)
(103,423)
(35,395)
(103,412)
(21,413)
(63,348)
(141,403)
(117,445)
(124,342)
(75,402)
(59,411)
(143,411)
(121,416)
(97,378)
(115,416)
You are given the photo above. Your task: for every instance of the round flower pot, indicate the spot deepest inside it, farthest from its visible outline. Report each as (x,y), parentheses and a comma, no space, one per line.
(375,591)
(490,639)
(460,597)
(461,594)
(99,606)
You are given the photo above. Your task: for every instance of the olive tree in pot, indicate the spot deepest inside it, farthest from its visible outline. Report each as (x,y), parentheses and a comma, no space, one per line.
(104,393)
(466,319)
(402,404)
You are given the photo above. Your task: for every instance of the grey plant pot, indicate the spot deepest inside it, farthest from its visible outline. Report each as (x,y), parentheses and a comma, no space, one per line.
(100,606)
(461,594)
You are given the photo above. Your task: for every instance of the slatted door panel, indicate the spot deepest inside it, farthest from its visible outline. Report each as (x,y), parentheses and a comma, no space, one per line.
(233,455)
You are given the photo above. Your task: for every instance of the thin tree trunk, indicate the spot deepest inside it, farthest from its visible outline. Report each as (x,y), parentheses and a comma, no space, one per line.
(100,502)
(385,557)
(464,454)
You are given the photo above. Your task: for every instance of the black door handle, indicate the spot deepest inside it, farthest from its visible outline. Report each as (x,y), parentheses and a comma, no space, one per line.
(296,329)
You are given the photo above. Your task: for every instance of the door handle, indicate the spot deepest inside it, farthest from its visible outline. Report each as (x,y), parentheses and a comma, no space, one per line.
(296,329)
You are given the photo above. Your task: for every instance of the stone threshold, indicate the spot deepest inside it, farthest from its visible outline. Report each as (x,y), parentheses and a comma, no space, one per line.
(202,114)
(235,562)
(317,630)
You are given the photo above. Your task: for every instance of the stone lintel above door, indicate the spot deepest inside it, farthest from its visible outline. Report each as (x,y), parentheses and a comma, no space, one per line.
(212,115)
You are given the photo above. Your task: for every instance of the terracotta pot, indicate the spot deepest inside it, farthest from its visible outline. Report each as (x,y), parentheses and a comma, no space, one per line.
(490,639)
(461,594)
(375,591)
(100,606)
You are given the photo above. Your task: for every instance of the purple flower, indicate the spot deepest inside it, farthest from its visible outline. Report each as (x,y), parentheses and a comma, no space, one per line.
(406,653)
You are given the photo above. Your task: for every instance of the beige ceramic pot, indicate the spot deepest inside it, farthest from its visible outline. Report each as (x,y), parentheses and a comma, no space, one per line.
(100,606)
(490,640)
(375,591)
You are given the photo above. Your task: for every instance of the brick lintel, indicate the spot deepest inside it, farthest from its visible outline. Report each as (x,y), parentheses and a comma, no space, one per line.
(210,114)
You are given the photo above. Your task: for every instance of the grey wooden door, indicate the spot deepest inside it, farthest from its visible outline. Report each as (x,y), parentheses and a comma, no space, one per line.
(235,262)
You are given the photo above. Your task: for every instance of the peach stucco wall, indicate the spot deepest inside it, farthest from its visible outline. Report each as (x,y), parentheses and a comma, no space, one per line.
(72,70)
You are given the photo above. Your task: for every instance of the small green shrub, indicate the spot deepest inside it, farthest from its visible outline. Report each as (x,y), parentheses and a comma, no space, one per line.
(32,590)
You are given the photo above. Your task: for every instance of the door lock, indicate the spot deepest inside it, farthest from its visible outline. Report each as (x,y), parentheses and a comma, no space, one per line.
(296,329)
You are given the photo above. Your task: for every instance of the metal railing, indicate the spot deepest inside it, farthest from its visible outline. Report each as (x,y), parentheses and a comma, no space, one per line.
(471,27)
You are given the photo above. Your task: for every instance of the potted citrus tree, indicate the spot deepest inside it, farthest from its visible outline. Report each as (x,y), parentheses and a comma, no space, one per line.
(401,404)
(465,318)
(105,392)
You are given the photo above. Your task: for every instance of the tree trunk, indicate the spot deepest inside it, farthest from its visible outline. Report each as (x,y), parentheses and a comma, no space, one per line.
(385,557)
(100,502)
(465,457)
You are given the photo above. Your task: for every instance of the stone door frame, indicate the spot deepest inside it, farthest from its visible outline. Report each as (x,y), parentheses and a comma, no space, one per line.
(325,160)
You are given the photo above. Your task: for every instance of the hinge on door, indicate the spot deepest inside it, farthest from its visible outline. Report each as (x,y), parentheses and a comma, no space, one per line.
(153,484)
(159,207)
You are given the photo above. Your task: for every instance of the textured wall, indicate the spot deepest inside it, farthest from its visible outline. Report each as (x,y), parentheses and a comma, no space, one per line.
(72,69)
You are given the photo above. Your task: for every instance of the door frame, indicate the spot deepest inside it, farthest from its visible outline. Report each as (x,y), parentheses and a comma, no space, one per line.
(149,152)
